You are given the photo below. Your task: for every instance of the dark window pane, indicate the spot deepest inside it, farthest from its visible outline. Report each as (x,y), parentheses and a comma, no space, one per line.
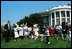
(68,15)
(63,13)
(57,14)
(63,19)
(52,15)
(68,20)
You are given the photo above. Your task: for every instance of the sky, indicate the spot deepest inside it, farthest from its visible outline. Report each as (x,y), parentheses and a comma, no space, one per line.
(16,10)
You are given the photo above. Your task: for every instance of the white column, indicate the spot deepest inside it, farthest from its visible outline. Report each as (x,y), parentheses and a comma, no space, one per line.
(51,19)
(70,16)
(55,17)
(60,17)
(65,16)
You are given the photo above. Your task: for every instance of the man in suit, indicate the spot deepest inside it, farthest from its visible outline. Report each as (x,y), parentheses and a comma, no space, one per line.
(7,28)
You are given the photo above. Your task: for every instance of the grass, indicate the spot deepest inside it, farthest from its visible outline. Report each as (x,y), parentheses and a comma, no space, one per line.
(28,43)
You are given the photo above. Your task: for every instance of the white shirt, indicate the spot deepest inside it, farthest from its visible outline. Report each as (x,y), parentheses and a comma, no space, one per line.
(29,29)
(15,32)
(26,32)
(70,33)
(20,31)
(59,27)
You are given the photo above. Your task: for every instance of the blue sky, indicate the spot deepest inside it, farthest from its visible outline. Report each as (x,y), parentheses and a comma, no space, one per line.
(16,10)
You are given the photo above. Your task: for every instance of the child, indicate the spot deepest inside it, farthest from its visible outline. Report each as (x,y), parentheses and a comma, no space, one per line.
(16,32)
(47,34)
(69,35)
(32,33)
(21,32)
(36,31)
(52,31)
(26,31)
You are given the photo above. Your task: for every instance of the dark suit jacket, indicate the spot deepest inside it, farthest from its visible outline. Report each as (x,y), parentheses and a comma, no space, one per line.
(6,27)
(8,32)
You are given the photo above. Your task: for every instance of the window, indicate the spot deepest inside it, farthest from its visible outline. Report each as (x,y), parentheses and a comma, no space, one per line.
(68,15)
(63,13)
(57,21)
(52,15)
(68,20)
(63,19)
(57,14)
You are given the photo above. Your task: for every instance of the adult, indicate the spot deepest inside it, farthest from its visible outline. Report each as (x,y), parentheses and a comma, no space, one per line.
(65,29)
(2,32)
(7,30)
(59,30)
(12,32)
(7,34)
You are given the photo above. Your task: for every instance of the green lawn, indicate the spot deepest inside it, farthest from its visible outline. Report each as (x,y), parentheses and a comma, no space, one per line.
(28,43)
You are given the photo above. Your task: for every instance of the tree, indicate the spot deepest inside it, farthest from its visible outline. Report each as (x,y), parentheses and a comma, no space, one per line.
(37,18)
(32,19)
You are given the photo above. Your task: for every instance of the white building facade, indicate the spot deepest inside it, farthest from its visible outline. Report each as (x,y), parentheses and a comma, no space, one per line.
(59,14)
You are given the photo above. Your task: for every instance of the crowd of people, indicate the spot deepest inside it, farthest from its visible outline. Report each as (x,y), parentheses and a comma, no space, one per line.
(33,32)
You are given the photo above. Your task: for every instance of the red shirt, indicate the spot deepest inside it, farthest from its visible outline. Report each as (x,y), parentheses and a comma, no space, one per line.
(52,30)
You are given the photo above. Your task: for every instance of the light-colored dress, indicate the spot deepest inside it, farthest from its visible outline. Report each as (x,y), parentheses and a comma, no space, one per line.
(26,32)
(29,29)
(16,33)
(20,31)
(36,31)
(70,34)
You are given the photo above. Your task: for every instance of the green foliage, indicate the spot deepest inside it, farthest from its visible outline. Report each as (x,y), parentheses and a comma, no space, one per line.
(32,19)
